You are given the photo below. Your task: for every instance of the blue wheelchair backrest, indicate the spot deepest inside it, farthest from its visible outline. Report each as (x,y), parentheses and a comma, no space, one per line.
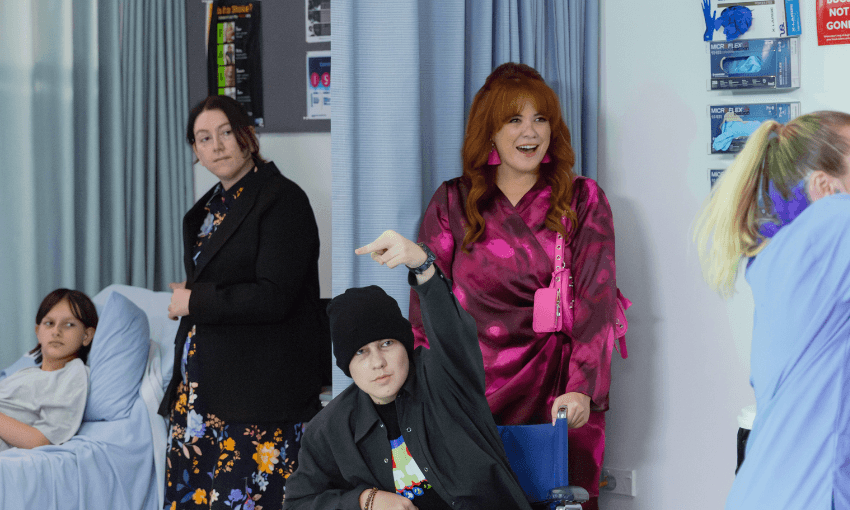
(538,456)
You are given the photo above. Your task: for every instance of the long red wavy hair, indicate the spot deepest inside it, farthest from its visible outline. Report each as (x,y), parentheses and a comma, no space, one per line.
(503,96)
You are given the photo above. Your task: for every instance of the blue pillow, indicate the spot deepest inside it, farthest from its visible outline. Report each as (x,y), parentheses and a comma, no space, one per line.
(163,329)
(117,360)
(25,361)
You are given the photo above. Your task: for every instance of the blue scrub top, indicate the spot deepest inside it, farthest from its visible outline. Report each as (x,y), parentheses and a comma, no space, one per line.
(798,453)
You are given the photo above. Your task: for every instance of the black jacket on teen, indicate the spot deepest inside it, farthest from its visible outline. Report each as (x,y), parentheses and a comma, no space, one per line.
(255,304)
(442,413)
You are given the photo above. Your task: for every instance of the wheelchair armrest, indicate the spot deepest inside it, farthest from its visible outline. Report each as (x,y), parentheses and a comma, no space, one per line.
(569,494)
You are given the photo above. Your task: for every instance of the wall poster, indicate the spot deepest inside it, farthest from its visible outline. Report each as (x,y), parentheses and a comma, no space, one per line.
(234,54)
(318,17)
(833,22)
(318,85)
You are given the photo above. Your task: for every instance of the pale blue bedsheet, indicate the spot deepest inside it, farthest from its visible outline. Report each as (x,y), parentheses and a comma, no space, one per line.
(107,465)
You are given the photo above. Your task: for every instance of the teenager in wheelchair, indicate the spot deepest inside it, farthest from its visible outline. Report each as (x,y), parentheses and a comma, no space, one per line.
(415,429)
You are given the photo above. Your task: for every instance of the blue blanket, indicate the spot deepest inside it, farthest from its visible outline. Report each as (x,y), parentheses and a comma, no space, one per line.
(107,465)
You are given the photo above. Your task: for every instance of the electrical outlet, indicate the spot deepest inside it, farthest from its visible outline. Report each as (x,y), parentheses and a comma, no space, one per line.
(619,481)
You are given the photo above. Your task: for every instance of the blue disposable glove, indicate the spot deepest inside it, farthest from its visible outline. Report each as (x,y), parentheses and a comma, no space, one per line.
(750,65)
(731,130)
(735,21)
(710,20)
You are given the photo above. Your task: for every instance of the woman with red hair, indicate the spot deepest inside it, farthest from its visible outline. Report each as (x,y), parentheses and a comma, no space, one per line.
(495,232)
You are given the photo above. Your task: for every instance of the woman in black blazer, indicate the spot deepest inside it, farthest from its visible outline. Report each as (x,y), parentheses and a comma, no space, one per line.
(244,376)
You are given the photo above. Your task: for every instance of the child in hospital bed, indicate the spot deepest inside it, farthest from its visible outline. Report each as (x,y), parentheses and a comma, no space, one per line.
(44,405)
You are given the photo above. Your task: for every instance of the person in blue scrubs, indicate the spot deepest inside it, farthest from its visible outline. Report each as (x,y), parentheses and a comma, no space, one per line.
(784,206)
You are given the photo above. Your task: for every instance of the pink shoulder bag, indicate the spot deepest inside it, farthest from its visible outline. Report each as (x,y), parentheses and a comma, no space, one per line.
(553,305)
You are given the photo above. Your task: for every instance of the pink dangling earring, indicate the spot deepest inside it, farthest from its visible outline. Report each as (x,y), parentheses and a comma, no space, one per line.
(493,159)
(546,159)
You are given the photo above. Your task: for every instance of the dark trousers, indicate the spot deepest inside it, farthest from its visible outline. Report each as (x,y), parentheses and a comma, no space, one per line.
(743,435)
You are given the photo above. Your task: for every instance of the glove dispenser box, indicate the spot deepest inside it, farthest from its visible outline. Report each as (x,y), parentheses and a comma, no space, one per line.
(748,19)
(732,124)
(769,64)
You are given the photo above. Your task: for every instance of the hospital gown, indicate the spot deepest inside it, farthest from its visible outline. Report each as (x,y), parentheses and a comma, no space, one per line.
(50,401)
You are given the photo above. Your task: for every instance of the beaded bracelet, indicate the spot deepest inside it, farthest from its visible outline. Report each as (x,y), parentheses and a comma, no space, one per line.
(370,498)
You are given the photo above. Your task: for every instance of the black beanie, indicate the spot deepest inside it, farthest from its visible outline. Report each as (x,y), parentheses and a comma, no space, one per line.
(362,315)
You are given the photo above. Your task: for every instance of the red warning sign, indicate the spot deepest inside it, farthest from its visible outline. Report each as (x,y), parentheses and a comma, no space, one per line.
(833,22)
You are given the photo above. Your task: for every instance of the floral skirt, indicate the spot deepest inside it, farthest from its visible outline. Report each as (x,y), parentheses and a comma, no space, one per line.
(218,465)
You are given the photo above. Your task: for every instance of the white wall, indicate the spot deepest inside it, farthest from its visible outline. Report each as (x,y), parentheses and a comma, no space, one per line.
(674,402)
(306,159)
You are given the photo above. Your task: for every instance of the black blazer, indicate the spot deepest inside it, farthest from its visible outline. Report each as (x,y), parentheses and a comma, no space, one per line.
(254,304)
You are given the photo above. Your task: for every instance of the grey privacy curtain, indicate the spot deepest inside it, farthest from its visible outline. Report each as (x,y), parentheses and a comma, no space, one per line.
(405,74)
(95,173)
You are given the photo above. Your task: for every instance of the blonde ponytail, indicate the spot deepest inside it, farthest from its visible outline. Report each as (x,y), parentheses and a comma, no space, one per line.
(727,227)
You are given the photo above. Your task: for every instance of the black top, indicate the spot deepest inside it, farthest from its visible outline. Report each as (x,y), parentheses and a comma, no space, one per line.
(255,304)
(388,416)
(442,413)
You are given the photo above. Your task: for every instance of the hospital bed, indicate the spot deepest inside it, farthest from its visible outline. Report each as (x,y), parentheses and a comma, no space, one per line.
(116,459)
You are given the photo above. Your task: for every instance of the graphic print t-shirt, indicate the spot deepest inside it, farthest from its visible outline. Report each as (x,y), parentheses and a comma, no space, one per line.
(410,482)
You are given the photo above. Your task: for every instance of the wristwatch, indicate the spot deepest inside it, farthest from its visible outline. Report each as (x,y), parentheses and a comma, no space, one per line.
(430,258)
